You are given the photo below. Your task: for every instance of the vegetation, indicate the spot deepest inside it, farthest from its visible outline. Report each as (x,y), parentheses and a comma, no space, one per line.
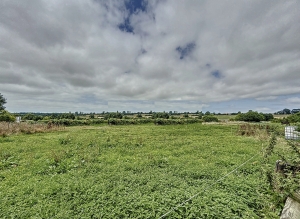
(210,118)
(140,171)
(294,118)
(8,128)
(116,115)
(5,116)
(252,116)
(285,180)
(2,102)
(161,115)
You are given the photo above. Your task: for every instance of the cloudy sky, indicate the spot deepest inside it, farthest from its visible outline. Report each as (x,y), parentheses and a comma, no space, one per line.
(138,55)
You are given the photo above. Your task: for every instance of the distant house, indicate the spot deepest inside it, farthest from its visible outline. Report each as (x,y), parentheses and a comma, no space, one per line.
(295,111)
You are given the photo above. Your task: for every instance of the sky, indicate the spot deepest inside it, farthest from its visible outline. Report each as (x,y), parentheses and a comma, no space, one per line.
(220,56)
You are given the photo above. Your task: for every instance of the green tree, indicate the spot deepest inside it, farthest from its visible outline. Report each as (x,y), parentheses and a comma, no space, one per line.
(210,118)
(207,113)
(162,115)
(6,116)
(294,118)
(29,116)
(2,102)
(250,116)
(268,116)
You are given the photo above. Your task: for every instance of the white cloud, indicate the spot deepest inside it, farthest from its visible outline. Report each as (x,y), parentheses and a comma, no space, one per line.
(267,98)
(294,100)
(75,48)
(263,110)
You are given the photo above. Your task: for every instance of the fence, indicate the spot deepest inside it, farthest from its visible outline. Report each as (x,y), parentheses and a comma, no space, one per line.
(291,208)
(291,134)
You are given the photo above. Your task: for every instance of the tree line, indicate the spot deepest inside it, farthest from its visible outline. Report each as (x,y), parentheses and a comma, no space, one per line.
(250,116)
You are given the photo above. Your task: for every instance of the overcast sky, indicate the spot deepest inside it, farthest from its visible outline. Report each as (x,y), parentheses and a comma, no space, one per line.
(139,55)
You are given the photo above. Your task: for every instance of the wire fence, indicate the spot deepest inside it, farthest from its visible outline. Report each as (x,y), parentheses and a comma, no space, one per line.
(206,188)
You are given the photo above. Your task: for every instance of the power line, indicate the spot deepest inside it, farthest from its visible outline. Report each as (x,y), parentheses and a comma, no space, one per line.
(207,187)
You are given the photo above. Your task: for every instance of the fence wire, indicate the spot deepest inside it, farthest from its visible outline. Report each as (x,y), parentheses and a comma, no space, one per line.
(207,187)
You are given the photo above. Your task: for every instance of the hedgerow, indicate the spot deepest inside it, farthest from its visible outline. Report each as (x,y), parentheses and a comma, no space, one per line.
(128,121)
(175,121)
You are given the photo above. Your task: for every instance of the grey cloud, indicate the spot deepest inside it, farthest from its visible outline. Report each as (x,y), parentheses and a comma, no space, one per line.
(246,49)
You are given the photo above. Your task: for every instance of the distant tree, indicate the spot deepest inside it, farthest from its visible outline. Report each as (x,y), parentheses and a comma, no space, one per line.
(38,117)
(6,116)
(207,113)
(92,115)
(29,116)
(294,118)
(286,111)
(163,115)
(67,116)
(268,116)
(116,115)
(54,116)
(250,116)
(2,102)
(210,118)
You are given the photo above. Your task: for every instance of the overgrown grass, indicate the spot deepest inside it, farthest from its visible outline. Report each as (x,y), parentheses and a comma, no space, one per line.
(9,128)
(140,171)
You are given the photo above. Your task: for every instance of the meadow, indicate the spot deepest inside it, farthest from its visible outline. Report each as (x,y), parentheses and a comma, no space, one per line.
(134,171)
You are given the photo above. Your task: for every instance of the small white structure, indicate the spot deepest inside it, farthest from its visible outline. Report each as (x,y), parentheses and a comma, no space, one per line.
(18,119)
(291,134)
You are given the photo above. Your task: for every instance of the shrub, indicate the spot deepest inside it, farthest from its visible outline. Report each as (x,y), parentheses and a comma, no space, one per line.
(250,116)
(5,116)
(128,121)
(26,128)
(268,116)
(294,118)
(175,121)
(116,115)
(210,118)
(160,115)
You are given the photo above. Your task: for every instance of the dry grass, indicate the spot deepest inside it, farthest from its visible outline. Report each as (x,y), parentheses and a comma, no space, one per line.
(259,131)
(8,128)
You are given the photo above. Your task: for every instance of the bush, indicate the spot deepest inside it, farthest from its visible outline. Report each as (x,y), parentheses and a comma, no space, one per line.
(210,118)
(268,116)
(294,118)
(128,121)
(71,122)
(5,116)
(175,121)
(160,115)
(116,115)
(250,116)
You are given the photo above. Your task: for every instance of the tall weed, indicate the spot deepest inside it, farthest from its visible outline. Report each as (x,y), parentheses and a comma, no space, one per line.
(8,128)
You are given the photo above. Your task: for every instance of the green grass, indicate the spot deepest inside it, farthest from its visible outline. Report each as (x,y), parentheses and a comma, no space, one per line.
(139,171)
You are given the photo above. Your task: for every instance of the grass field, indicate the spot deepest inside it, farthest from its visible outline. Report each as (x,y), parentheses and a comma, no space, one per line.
(139,171)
